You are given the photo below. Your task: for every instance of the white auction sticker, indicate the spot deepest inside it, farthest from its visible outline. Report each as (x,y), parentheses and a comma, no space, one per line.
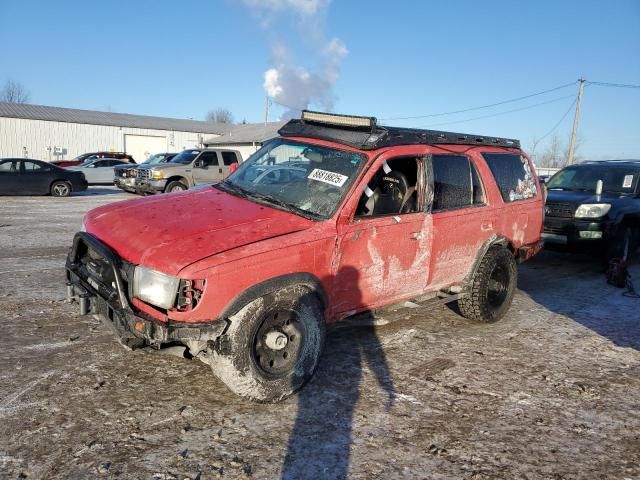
(328,177)
(628,181)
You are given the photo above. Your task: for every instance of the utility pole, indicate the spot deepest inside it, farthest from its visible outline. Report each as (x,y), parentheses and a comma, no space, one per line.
(267,103)
(576,118)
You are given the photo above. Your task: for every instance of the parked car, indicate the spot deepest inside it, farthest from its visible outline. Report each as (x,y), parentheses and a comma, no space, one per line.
(25,176)
(188,168)
(336,216)
(579,216)
(99,171)
(80,159)
(124,176)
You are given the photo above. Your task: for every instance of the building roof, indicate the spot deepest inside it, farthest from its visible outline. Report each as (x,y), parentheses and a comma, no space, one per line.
(93,117)
(247,133)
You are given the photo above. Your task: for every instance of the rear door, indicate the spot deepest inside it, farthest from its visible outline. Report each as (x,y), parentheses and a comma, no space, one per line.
(9,176)
(35,177)
(208,169)
(463,219)
(228,158)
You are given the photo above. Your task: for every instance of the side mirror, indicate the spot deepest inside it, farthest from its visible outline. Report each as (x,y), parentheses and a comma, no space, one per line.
(198,164)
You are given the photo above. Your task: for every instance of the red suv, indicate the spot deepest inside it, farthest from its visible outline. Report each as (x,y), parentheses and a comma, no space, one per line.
(336,216)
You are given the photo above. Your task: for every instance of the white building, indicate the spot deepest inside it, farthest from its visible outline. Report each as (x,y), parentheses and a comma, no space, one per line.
(52,133)
(246,138)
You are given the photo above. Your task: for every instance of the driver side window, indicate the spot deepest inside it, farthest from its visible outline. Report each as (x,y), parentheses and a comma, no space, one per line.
(393,190)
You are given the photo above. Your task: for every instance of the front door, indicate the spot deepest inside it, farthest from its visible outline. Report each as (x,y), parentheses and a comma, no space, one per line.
(207,168)
(384,249)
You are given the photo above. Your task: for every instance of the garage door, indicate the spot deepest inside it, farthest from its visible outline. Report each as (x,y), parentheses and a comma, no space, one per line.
(141,146)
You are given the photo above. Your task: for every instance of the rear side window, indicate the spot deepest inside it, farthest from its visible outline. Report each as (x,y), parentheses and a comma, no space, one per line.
(229,158)
(513,176)
(455,183)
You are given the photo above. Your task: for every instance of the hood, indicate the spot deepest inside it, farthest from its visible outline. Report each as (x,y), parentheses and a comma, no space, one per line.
(166,165)
(169,232)
(567,196)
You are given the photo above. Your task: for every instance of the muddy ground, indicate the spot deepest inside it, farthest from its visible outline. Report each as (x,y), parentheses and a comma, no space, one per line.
(552,391)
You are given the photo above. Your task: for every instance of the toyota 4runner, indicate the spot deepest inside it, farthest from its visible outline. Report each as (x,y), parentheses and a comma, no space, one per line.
(187,169)
(336,216)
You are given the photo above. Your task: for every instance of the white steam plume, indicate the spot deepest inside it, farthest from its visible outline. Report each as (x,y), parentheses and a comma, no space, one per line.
(288,84)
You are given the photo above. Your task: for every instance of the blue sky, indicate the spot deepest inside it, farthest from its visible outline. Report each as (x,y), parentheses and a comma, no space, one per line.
(405,58)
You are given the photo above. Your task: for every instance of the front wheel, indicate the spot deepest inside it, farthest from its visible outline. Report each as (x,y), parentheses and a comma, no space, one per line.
(492,287)
(176,186)
(272,346)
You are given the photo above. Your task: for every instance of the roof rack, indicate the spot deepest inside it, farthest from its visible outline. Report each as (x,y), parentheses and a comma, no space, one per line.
(365,133)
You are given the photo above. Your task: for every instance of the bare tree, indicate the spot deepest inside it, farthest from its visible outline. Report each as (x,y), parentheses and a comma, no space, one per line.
(14,92)
(556,153)
(220,115)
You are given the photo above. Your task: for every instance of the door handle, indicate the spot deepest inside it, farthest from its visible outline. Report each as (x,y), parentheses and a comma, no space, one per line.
(486,226)
(220,170)
(417,235)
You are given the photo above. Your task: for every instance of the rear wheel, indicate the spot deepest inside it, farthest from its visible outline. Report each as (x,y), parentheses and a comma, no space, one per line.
(272,345)
(492,287)
(176,186)
(60,189)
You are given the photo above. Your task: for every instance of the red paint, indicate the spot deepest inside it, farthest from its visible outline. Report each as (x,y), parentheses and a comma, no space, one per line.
(235,244)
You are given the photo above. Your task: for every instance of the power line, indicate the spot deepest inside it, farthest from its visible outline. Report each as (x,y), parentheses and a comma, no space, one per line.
(618,85)
(500,113)
(483,106)
(559,121)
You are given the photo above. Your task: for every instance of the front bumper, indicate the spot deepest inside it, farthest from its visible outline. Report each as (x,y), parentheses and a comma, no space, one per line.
(128,184)
(571,231)
(150,186)
(103,290)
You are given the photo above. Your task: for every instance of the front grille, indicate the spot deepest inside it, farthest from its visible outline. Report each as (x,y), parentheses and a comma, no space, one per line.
(554,229)
(144,173)
(100,272)
(562,210)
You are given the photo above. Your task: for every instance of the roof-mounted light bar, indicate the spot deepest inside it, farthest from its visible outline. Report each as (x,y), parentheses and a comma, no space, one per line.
(338,120)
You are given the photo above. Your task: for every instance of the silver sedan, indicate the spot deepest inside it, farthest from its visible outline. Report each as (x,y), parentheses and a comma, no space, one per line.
(99,171)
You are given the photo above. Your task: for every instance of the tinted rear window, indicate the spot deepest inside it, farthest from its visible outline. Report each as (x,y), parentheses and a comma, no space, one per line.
(513,175)
(455,183)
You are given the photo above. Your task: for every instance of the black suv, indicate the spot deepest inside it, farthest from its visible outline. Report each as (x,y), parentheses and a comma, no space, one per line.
(596,206)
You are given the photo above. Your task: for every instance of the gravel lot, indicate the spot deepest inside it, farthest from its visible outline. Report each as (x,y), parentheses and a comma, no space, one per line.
(552,391)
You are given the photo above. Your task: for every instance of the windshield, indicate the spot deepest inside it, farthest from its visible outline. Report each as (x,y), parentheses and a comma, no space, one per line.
(88,161)
(307,179)
(155,159)
(185,157)
(616,180)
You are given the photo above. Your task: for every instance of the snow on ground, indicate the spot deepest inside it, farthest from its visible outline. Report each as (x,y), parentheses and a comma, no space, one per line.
(551,392)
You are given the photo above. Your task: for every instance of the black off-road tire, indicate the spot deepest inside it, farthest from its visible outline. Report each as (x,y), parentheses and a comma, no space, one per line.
(245,363)
(176,186)
(491,289)
(60,188)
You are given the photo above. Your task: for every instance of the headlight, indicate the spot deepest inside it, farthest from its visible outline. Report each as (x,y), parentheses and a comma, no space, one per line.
(154,287)
(592,210)
(157,174)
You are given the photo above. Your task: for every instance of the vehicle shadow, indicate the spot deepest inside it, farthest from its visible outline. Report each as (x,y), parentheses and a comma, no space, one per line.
(95,191)
(574,285)
(322,450)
